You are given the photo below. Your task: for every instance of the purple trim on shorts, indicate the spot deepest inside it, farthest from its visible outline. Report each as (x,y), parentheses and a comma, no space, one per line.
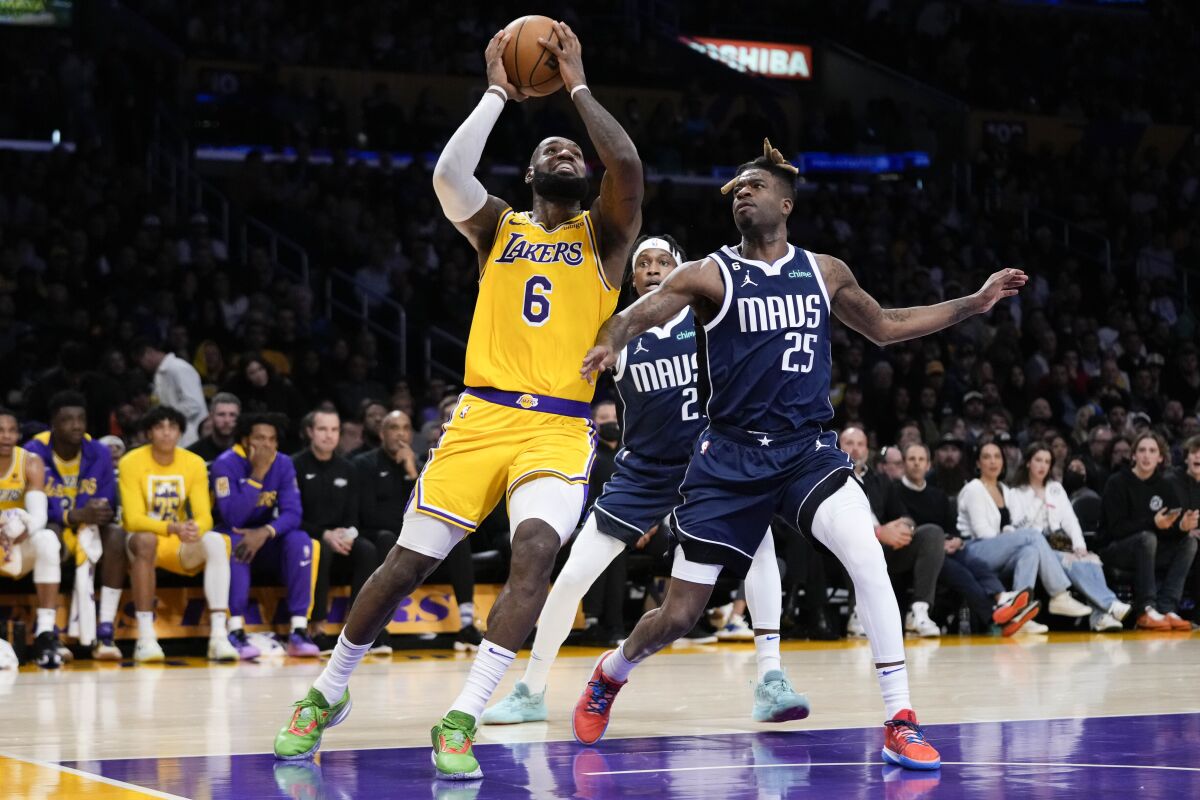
(526,401)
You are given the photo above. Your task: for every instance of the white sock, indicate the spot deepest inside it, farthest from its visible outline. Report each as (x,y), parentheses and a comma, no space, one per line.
(145,624)
(300,622)
(110,601)
(591,553)
(466,614)
(236,623)
(491,662)
(216,624)
(893,682)
(332,682)
(46,618)
(617,666)
(766,650)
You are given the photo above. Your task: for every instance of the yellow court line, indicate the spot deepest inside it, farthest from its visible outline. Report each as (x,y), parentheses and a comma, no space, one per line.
(31,779)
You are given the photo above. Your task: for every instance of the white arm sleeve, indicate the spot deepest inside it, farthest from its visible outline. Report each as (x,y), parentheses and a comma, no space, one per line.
(454,182)
(35,506)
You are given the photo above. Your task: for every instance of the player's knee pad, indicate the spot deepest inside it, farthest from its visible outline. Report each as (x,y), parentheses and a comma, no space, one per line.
(216,547)
(47,556)
(557,503)
(428,535)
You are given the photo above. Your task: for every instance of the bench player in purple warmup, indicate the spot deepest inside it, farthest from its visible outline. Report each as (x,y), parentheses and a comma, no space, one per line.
(764,340)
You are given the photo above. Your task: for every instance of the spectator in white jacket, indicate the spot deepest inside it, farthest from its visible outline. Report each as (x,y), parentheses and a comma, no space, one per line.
(986,525)
(1042,504)
(176,384)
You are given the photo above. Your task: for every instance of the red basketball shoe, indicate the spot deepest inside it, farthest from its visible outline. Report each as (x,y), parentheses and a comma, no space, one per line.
(594,705)
(904,743)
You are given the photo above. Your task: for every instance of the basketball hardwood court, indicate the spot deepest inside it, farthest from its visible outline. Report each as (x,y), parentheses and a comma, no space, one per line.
(1069,715)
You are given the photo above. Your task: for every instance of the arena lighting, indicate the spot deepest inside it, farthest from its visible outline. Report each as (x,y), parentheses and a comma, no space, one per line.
(769,59)
(878,164)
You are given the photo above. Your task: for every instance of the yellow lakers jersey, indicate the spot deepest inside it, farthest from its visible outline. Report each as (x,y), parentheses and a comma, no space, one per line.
(12,485)
(542,298)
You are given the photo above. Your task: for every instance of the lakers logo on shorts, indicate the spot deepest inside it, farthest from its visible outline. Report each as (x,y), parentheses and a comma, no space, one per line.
(527,401)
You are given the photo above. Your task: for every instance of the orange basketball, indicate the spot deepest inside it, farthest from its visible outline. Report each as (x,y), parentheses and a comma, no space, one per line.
(531,68)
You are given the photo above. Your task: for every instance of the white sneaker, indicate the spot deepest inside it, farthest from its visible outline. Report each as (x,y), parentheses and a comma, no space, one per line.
(220,649)
(720,616)
(736,630)
(148,651)
(917,621)
(1034,628)
(854,628)
(1119,610)
(1105,622)
(1064,605)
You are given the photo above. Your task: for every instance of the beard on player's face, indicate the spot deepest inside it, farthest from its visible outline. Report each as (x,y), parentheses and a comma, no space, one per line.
(560,188)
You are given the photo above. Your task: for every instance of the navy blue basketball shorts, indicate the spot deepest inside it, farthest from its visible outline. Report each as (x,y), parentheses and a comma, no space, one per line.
(737,481)
(639,494)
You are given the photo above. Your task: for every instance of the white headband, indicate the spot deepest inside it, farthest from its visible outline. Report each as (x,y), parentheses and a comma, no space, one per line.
(656,244)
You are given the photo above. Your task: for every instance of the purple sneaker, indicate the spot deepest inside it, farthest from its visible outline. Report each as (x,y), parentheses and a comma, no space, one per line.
(246,651)
(300,646)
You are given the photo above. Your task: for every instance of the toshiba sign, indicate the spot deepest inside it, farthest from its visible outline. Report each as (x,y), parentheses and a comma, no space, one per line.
(774,60)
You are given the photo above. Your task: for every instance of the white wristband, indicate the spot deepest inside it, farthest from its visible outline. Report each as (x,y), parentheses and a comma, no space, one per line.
(578,88)
(499,91)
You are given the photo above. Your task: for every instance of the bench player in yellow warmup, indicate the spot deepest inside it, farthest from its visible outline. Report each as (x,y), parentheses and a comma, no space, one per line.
(549,278)
(167,511)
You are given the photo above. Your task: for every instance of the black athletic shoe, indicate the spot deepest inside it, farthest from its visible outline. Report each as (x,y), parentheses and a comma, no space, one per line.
(468,639)
(45,651)
(382,645)
(699,634)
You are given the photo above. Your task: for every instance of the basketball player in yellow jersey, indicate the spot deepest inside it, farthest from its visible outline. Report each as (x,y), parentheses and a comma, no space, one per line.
(167,512)
(25,541)
(549,277)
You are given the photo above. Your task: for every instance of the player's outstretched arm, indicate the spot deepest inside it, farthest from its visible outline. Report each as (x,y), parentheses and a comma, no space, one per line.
(464,200)
(860,311)
(617,212)
(695,283)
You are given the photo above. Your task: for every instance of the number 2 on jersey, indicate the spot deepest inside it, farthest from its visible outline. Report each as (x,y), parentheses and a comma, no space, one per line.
(537,301)
(689,405)
(800,342)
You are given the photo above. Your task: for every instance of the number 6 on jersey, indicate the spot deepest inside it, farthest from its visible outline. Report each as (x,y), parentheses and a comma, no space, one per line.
(537,300)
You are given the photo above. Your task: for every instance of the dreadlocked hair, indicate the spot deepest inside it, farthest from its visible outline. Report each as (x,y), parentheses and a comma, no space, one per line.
(771,161)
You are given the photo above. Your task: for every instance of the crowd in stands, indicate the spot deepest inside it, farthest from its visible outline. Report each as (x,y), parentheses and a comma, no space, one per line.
(105,291)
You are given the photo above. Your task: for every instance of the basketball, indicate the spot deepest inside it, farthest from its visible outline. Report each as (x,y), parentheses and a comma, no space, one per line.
(530,67)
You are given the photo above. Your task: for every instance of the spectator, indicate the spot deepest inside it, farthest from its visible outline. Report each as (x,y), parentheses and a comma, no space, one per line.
(949,468)
(985,524)
(386,477)
(262,390)
(974,580)
(1145,530)
(103,393)
(351,438)
(82,492)
(358,386)
(258,503)
(176,384)
(372,414)
(223,413)
(906,547)
(608,432)
(1187,481)
(1041,503)
(166,510)
(891,463)
(329,502)
(972,406)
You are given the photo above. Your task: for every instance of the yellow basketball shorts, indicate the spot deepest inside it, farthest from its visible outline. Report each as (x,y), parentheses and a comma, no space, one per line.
(495,442)
(174,555)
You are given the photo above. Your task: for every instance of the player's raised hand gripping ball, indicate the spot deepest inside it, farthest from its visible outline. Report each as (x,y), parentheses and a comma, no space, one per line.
(532,68)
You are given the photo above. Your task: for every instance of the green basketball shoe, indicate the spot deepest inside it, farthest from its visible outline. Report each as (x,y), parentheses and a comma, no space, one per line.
(453,739)
(301,737)
(776,701)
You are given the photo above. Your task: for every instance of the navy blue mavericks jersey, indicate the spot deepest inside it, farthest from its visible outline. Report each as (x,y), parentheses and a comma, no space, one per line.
(766,355)
(656,378)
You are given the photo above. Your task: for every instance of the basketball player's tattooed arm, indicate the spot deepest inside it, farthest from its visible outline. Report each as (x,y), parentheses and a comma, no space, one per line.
(696,283)
(617,212)
(860,311)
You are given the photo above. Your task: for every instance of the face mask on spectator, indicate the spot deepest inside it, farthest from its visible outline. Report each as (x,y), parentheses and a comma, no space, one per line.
(610,431)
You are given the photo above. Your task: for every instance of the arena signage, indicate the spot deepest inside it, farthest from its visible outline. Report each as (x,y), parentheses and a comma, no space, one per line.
(769,59)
